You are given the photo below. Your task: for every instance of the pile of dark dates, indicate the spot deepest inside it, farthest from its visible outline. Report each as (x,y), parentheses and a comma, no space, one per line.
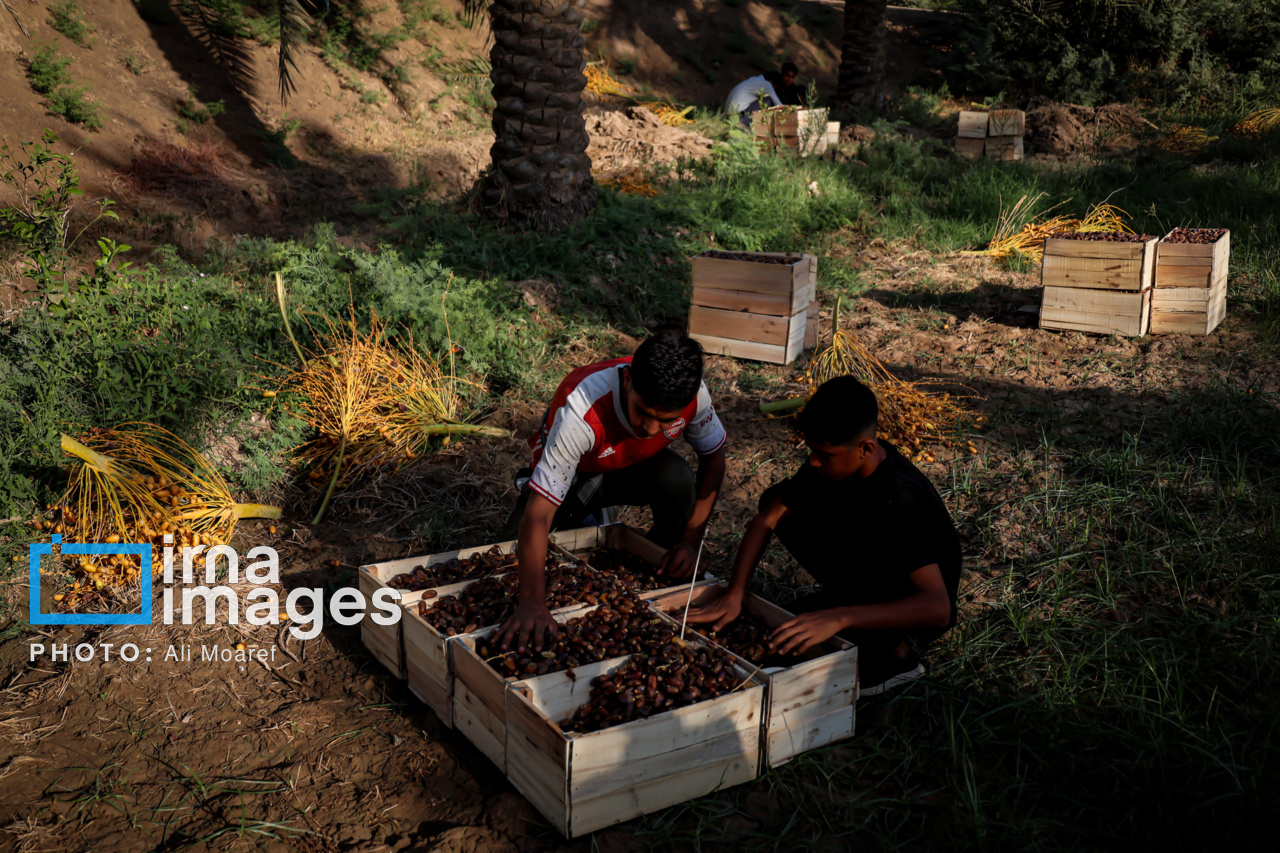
(458,569)
(673,676)
(750,257)
(1105,236)
(632,569)
(490,600)
(623,626)
(1195,235)
(748,638)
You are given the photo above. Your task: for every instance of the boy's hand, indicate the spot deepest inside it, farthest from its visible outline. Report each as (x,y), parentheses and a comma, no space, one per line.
(679,562)
(805,631)
(722,611)
(531,621)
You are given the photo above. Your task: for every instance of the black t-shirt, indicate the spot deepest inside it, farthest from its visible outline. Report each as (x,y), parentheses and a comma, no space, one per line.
(792,95)
(861,537)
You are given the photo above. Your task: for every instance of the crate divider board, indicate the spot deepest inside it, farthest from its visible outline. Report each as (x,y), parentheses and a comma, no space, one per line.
(427,656)
(972,125)
(808,705)
(1191,286)
(1007,123)
(583,782)
(1004,147)
(970,147)
(1107,312)
(1098,264)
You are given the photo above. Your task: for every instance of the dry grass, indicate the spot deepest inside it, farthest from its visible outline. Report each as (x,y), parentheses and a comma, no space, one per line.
(162,165)
(1023,228)
(1183,137)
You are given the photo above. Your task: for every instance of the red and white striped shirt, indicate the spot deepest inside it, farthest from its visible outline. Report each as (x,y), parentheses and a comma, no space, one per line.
(586,429)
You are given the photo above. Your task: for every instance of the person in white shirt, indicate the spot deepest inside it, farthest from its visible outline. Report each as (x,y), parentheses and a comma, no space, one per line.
(747,96)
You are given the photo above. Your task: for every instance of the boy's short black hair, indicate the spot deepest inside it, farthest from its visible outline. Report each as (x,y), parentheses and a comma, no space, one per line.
(666,371)
(842,410)
(790,66)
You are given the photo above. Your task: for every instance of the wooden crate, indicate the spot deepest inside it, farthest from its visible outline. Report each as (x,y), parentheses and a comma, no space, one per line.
(1191,286)
(808,705)
(1007,123)
(1004,147)
(812,326)
(1107,312)
(1098,264)
(802,130)
(753,310)
(971,148)
(585,782)
(973,125)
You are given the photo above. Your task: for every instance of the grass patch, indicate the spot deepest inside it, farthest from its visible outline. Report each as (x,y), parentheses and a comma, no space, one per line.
(63,95)
(192,111)
(68,18)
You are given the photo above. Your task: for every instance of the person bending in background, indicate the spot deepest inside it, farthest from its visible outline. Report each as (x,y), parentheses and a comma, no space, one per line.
(604,442)
(871,529)
(748,97)
(789,92)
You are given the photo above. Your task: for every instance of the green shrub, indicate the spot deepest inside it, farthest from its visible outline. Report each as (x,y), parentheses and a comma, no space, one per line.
(195,112)
(1179,50)
(49,77)
(67,18)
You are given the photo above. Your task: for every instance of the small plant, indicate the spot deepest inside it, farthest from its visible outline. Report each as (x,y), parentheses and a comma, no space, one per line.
(49,77)
(371,96)
(137,65)
(68,18)
(626,64)
(195,112)
(589,26)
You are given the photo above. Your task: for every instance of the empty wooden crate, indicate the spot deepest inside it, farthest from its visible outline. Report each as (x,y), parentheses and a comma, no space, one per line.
(582,782)
(754,309)
(807,705)
(802,130)
(1191,285)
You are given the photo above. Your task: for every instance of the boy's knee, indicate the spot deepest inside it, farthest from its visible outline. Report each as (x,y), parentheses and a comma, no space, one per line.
(675,480)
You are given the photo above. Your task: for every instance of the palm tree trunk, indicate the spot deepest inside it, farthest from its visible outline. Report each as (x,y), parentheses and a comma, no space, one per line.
(541,175)
(861,83)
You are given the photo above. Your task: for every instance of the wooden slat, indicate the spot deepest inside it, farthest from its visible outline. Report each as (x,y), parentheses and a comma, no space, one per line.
(541,779)
(1182,298)
(1168,276)
(1118,303)
(586,786)
(723,274)
(971,148)
(1167,260)
(1110,265)
(529,726)
(1007,123)
(795,336)
(1091,279)
(482,680)
(830,674)
(482,726)
(437,695)
(757,328)
(666,732)
(742,349)
(812,326)
(786,743)
(785,714)
(1094,248)
(556,695)
(775,304)
(1004,147)
(972,125)
(595,814)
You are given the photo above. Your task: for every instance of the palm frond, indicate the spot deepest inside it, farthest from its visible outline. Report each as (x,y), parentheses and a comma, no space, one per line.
(220,34)
(25,32)
(295,24)
(473,11)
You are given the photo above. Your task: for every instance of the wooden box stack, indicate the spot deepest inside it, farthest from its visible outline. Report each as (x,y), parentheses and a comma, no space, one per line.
(997,134)
(583,782)
(805,131)
(1190,294)
(808,705)
(753,310)
(1097,286)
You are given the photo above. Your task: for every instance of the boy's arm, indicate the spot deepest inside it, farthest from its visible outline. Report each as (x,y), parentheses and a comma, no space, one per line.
(726,608)
(929,605)
(531,621)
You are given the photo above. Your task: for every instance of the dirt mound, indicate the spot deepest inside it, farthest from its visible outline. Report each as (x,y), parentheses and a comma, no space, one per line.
(623,138)
(1062,129)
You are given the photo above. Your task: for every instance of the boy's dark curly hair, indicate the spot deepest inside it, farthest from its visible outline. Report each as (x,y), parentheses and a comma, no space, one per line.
(666,371)
(841,411)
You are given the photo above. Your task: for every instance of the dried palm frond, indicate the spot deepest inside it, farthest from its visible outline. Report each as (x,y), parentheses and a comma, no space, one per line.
(671,115)
(137,484)
(1022,230)
(1184,137)
(1257,124)
(910,417)
(632,181)
(601,81)
(26,33)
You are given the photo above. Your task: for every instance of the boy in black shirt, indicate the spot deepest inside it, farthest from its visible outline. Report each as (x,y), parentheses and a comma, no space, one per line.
(870,528)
